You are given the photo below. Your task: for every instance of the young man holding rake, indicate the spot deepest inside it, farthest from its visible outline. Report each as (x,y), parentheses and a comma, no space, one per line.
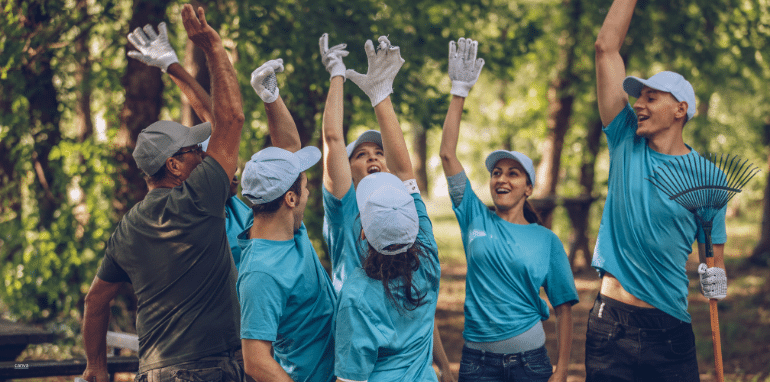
(639,328)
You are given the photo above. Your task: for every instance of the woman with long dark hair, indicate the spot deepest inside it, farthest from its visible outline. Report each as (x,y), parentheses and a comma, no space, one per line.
(510,256)
(386,308)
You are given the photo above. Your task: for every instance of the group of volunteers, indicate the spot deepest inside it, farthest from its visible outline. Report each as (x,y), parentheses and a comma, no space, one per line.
(234,291)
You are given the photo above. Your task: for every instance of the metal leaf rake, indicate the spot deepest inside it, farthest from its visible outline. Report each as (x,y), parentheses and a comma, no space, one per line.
(703,185)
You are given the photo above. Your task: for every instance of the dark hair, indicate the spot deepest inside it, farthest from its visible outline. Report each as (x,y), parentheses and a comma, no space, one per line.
(396,271)
(158,175)
(273,205)
(531,214)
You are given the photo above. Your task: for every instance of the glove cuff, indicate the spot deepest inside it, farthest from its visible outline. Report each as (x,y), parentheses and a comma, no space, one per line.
(268,97)
(165,62)
(460,88)
(379,93)
(337,71)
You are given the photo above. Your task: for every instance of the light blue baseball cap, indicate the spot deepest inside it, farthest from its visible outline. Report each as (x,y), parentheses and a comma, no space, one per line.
(665,81)
(162,139)
(205,144)
(496,155)
(271,172)
(388,213)
(372,136)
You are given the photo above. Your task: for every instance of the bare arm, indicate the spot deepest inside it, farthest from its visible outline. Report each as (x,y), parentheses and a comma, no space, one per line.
(259,364)
(449,137)
(337,177)
(199,98)
(440,358)
(610,69)
(227,107)
(563,341)
(95,321)
(281,125)
(393,143)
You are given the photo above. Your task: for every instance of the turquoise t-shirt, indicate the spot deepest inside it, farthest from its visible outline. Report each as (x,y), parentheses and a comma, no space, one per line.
(287,297)
(342,232)
(375,341)
(507,265)
(645,238)
(238,216)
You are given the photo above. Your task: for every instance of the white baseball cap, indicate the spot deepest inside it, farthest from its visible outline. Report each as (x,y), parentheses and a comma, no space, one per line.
(162,139)
(496,155)
(271,172)
(388,213)
(665,81)
(372,136)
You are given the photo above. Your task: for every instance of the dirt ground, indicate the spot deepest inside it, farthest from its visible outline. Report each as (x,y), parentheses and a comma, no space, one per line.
(753,366)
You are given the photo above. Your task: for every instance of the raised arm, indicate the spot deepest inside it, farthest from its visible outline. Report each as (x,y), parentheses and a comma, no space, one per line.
(377,83)
(610,69)
(464,70)
(336,172)
(227,106)
(280,123)
(153,49)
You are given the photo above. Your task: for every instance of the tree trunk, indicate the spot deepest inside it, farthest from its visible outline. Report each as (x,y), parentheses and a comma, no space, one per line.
(761,254)
(561,98)
(83,116)
(578,209)
(195,62)
(144,90)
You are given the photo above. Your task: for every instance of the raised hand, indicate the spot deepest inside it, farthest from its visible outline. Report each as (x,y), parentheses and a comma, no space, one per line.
(264,82)
(464,67)
(198,30)
(153,49)
(384,64)
(332,58)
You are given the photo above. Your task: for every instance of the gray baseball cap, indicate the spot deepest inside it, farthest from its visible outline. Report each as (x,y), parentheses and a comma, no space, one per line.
(372,136)
(162,139)
(665,81)
(271,172)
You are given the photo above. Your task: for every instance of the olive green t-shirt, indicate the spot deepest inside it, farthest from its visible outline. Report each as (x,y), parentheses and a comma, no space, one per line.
(172,247)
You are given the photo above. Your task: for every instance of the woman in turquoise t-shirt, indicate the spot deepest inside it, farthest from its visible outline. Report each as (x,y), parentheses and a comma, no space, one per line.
(386,308)
(509,256)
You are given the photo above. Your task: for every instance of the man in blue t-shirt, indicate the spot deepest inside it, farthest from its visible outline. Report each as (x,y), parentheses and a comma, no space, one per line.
(639,328)
(286,296)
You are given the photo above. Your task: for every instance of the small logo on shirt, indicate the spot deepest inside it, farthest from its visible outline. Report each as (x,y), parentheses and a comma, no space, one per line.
(476,233)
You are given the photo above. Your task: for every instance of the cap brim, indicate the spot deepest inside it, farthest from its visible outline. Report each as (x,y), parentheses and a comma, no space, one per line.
(372,136)
(198,134)
(633,86)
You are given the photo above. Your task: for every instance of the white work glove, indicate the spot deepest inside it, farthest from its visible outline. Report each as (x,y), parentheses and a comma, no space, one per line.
(464,68)
(153,49)
(713,281)
(263,80)
(332,58)
(384,64)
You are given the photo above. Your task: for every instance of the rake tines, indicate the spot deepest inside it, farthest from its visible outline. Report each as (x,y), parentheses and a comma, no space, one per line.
(703,184)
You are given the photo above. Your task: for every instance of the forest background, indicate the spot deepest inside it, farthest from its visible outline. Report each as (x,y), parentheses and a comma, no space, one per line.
(72,104)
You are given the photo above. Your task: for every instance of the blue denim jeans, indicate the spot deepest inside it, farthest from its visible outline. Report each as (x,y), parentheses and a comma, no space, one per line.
(628,343)
(223,367)
(478,365)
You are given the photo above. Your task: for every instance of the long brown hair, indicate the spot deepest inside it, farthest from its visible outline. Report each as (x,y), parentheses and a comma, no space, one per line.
(396,273)
(531,214)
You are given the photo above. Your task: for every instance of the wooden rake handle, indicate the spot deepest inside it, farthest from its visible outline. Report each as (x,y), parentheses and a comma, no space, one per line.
(715,337)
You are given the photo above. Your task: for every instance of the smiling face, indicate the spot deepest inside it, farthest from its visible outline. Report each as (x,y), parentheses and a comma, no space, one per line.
(657,112)
(509,184)
(366,159)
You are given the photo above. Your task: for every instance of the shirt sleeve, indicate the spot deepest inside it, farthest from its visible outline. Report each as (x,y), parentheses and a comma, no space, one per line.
(263,301)
(209,187)
(456,185)
(469,208)
(559,282)
(111,272)
(356,344)
(623,126)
